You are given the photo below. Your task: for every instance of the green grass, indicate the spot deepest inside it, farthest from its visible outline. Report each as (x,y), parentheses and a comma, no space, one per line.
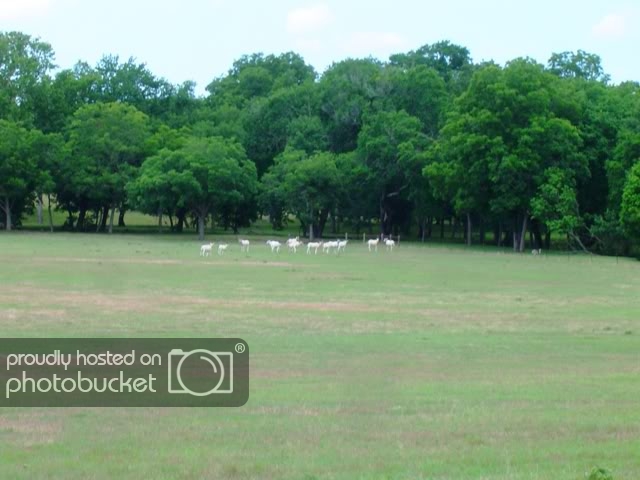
(427,363)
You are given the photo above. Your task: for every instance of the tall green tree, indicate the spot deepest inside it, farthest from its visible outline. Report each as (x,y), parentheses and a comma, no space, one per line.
(504,134)
(206,176)
(25,63)
(48,152)
(18,170)
(267,121)
(308,186)
(107,143)
(156,189)
(458,171)
(556,205)
(630,207)
(348,90)
(129,82)
(580,64)
(255,76)
(421,92)
(387,143)
(452,62)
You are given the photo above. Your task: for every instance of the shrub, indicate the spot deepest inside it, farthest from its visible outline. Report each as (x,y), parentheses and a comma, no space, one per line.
(599,473)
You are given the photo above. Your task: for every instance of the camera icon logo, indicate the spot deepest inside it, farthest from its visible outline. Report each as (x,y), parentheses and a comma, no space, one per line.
(200,372)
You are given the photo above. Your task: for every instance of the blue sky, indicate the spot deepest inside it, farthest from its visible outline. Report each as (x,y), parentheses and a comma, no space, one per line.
(199,39)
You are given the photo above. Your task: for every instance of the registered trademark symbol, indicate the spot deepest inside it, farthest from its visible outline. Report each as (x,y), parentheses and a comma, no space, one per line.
(240,347)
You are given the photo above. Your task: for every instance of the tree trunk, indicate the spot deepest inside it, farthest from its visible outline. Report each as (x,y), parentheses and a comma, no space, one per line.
(160,220)
(201,227)
(468,229)
(576,238)
(50,216)
(523,233)
(383,217)
(7,212)
(113,211)
(482,231)
(322,221)
(454,226)
(69,217)
(547,240)
(171,222)
(537,235)
(442,228)
(82,214)
(39,208)
(99,216)
(123,210)
(105,216)
(311,232)
(505,237)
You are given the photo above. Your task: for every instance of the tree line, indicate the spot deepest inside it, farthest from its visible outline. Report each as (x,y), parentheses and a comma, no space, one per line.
(407,145)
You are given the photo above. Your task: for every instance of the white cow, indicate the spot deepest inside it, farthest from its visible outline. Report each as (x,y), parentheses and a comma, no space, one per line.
(314,245)
(222,248)
(389,244)
(327,246)
(293,244)
(342,245)
(275,245)
(244,245)
(205,250)
(373,243)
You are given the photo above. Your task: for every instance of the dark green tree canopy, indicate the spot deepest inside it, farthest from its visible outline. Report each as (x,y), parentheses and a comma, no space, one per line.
(580,64)
(25,63)
(426,137)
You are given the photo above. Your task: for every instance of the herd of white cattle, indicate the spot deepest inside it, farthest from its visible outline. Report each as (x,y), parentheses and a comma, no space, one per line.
(293,244)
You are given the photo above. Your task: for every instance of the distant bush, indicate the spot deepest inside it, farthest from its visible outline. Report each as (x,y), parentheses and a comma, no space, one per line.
(599,473)
(613,240)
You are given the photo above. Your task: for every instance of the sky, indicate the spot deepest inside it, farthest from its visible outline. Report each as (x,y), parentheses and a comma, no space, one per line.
(198,40)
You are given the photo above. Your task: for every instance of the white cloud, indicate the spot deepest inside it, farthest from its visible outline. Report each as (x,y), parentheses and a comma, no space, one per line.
(612,25)
(309,19)
(375,43)
(11,9)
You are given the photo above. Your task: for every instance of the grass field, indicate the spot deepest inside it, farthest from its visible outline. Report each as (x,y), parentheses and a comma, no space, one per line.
(425,363)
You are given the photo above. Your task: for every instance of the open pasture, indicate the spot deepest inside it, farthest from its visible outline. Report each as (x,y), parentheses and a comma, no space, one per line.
(425,363)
